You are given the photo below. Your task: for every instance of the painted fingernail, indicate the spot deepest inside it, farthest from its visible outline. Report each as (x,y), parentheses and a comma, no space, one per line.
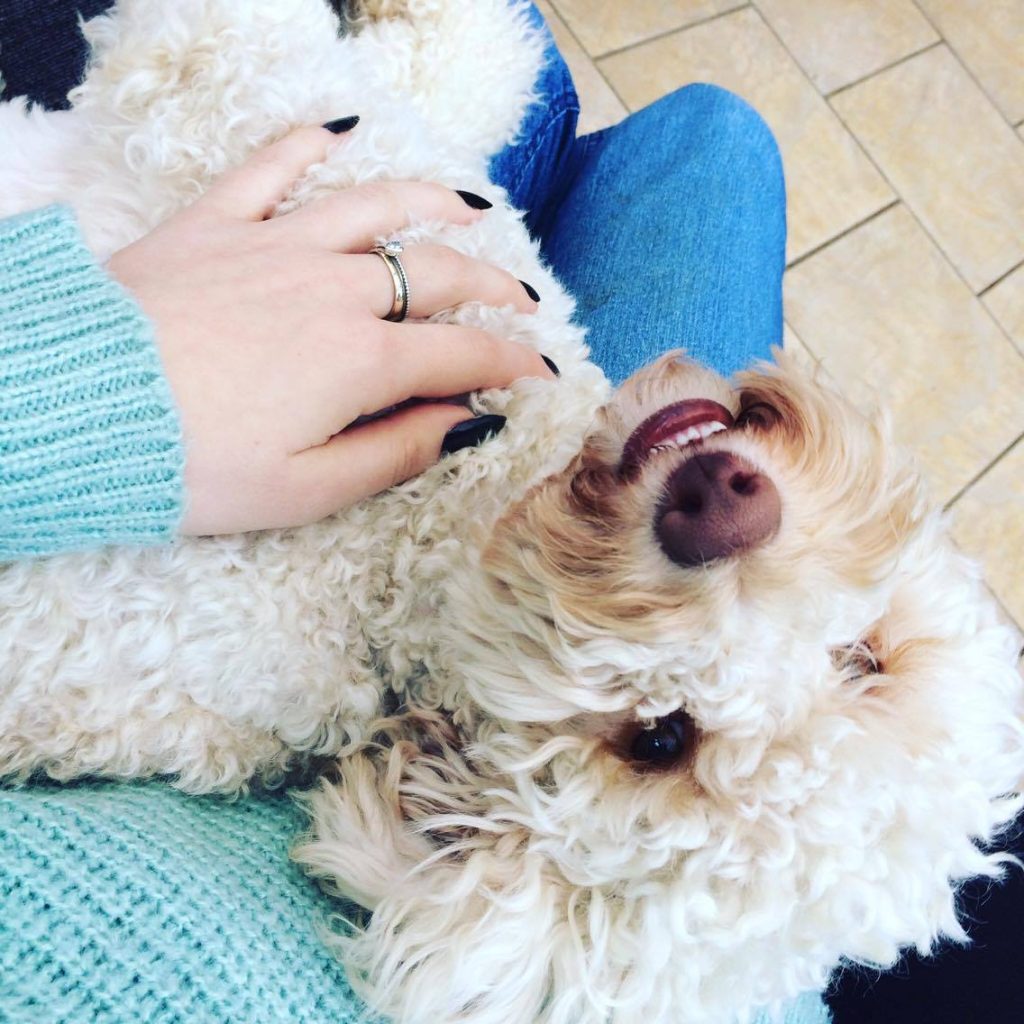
(531,291)
(472,199)
(471,432)
(551,365)
(342,124)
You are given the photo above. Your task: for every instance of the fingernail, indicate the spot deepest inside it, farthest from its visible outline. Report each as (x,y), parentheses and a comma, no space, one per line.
(472,199)
(551,365)
(342,124)
(471,432)
(531,291)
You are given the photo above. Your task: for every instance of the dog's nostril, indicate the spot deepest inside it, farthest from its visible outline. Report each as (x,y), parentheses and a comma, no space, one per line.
(743,483)
(692,504)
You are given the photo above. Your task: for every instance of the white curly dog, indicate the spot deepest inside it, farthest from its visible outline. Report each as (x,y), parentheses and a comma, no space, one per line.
(690,696)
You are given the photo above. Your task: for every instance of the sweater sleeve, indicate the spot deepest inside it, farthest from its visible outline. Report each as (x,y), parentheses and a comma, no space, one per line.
(90,443)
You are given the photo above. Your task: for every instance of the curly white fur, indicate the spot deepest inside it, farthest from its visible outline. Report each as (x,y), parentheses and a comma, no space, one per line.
(854,701)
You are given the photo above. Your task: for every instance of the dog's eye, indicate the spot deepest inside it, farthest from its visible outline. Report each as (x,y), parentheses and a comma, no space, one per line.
(758,414)
(858,659)
(665,743)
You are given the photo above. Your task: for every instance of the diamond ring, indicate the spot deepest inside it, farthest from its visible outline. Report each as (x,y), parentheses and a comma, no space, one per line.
(390,252)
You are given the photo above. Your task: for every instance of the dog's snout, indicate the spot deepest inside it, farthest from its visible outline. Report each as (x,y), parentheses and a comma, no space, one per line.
(717,505)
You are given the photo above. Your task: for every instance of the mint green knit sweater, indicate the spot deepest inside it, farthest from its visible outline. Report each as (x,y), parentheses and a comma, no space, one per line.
(90,444)
(130,903)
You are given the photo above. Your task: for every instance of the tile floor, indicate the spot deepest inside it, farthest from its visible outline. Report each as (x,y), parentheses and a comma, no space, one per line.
(901,124)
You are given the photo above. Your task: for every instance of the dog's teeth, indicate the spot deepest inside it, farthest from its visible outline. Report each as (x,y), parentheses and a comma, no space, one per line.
(688,436)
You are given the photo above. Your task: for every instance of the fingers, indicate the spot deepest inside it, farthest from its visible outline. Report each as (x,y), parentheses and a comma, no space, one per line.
(441,360)
(352,220)
(440,278)
(253,190)
(370,458)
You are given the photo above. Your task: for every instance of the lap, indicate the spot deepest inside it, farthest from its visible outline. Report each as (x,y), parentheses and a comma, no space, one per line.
(673,234)
(668,228)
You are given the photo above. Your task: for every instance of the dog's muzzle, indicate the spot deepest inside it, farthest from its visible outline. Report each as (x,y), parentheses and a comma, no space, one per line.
(717,505)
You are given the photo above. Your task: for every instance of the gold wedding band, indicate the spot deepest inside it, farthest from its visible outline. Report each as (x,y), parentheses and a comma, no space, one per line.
(389,252)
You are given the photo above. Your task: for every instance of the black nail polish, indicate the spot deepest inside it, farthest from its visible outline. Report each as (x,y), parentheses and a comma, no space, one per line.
(551,365)
(472,199)
(342,124)
(531,291)
(471,432)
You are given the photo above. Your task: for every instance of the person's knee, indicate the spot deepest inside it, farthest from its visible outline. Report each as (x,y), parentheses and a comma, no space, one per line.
(730,127)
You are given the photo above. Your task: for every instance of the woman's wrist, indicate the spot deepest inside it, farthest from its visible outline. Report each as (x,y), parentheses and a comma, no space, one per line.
(90,441)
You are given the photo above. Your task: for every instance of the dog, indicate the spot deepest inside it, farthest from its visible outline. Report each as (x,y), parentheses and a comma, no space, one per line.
(658,706)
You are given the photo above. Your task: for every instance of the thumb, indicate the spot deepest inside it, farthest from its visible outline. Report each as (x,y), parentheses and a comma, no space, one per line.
(373,457)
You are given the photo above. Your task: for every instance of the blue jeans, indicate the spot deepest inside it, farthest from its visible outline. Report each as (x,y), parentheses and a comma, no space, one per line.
(669,229)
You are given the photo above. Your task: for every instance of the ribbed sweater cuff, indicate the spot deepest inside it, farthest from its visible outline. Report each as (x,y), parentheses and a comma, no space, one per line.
(90,444)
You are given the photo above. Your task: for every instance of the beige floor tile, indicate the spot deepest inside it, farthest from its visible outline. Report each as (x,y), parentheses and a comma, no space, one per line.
(790,339)
(1006,303)
(988,36)
(793,346)
(599,106)
(606,25)
(831,184)
(894,324)
(988,523)
(949,154)
(840,41)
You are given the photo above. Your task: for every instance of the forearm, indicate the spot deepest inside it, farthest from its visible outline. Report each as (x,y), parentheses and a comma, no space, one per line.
(90,443)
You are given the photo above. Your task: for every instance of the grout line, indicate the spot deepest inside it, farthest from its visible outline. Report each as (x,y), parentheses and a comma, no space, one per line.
(842,234)
(1013,344)
(999,280)
(881,173)
(671,32)
(963,63)
(991,465)
(782,42)
(615,92)
(1002,607)
(592,60)
(852,135)
(948,260)
(948,257)
(886,67)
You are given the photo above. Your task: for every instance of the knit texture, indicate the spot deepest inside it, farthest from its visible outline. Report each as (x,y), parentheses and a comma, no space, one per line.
(133,903)
(90,444)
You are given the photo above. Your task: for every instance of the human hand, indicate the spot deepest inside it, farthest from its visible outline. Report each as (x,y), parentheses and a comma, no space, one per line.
(273,340)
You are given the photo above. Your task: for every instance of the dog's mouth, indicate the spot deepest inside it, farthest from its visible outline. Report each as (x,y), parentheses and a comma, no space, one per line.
(680,425)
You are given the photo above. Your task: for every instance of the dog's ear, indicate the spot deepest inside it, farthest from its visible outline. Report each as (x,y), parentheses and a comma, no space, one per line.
(463,918)
(936,679)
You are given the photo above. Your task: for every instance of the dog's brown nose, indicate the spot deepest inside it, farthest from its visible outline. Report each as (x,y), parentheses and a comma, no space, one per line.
(717,505)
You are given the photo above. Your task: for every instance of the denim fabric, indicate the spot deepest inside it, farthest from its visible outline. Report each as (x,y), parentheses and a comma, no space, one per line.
(669,228)
(539,167)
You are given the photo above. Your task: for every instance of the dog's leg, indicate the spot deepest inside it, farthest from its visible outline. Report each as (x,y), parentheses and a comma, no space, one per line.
(465,923)
(468,66)
(201,752)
